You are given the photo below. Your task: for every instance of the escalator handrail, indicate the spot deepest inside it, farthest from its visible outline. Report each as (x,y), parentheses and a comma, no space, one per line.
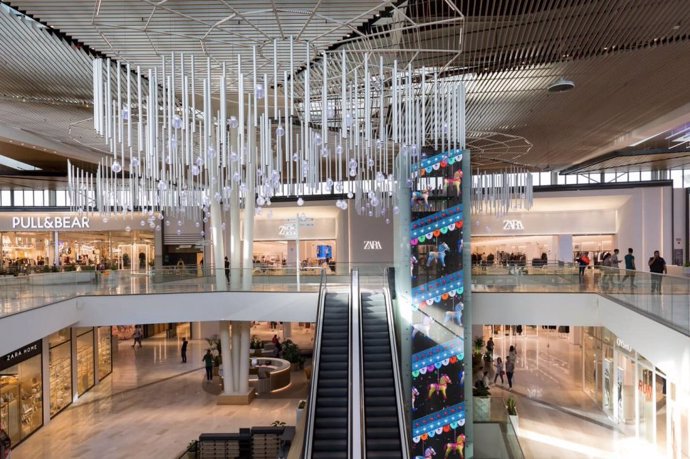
(356,443)
(316,357)
(397,379)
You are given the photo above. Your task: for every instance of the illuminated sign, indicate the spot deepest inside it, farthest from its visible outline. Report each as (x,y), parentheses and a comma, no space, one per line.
(372,245)
(54,223)
(622,344)
(288,230)
(513,225)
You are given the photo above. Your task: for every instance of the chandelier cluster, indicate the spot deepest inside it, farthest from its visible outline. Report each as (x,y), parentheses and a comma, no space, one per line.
(349,124)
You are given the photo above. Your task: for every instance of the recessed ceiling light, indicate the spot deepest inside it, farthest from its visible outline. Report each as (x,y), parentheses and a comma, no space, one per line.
(561,85)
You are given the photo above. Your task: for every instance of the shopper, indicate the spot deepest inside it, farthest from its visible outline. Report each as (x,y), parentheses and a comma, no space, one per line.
(615,262)
(5,444)
(606,268)
(499,370)
(208,362)
(227,269)
(138,335)
(183,350)
(490,346)
(582,262)
(512,354)
(629,268)
(510,367)
(657,266)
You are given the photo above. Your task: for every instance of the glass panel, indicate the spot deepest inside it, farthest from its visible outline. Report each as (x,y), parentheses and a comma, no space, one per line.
(60,198)
(677,177)
(59,337)
(545,178)
(6,197)
(105,361)
(634,176)
(38,198)
(21,410)
(18,197)
(60,367)
(645,176)
(535,178)
(85,365)
(571,179)
(609,177)
(28,197)
(560,180)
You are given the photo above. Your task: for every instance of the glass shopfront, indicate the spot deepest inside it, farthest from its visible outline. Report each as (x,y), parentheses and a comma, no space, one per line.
(85,360)
(60,370)
(105,352)
(21,405)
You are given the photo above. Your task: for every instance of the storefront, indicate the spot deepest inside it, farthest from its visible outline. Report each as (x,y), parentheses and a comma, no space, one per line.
(634,393)
(104,341)
(21,405)
(85,360)
(60,369)
(33,241)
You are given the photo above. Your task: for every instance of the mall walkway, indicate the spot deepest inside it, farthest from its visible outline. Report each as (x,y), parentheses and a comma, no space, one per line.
(151,406)
(557,419)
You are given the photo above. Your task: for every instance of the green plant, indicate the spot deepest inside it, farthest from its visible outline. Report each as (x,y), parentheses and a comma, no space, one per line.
(291,352)
(256,343)
(215,346)
(687,264)
(278,424)
(480,390)
(193,446)
(478,345)
(511,406)
(302,404)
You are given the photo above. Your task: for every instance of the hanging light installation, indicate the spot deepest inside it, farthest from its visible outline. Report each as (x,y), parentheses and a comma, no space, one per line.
(337,127)
(500,192)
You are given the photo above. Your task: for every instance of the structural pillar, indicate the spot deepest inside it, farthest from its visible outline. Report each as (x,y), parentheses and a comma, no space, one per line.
(249,205)
(56,249)
(287,330)
(228,375)
(158,248)
(218,247)
(236,346)
(235,247)
(467,301)
(45,380)
(244,357)
(237,390)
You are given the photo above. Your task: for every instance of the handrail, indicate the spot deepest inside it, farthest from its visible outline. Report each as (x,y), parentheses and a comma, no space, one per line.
(356,394)
(316,357)
(397,380)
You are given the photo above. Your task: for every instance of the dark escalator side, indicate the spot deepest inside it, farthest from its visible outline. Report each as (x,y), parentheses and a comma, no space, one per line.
(331,423)
(383,436)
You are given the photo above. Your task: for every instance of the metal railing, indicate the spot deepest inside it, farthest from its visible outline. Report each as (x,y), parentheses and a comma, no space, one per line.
(397,379)
(311,407)
(356,443)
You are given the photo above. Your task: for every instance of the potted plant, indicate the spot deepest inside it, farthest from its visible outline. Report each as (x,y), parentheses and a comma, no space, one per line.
(292,354)
(301,406)
(192,449)
(686,268)
(255,345)
(482,402)
(511,407)
(214,345)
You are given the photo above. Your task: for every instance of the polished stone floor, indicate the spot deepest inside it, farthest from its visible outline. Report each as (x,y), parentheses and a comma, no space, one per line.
(557,419)
(151,406)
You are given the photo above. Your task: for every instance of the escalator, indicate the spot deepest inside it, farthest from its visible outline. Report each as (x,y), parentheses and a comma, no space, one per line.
(382,419)
(331,415)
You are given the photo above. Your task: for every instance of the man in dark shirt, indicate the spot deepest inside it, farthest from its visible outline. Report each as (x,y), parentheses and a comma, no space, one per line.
(183,350)
(629,268)
(657,266)
(227,269)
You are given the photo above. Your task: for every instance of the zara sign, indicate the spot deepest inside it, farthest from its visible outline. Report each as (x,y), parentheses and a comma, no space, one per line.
(513,225)
(373,245)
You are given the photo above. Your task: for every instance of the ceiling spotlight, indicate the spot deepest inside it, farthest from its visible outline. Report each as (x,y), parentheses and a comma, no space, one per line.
(562,85)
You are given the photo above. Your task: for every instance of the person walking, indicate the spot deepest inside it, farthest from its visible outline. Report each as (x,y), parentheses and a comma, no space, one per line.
(183,349)
(138,335)
(490,346)
(512,354)
(629,268)
(510,368)
(499,370)
(657,266)
(227,269)
(582,262)
(615,262)
(606,268)
(208,362)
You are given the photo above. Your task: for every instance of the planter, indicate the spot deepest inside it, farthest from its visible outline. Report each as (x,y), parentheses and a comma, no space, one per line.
(215,371)
(513,419)
(300,413)
(482,409)
(294,366)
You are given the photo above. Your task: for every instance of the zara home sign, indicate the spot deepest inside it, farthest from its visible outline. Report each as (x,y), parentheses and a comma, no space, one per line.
(51,222)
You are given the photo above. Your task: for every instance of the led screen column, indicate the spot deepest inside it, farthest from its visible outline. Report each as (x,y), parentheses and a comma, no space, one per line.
(436,269)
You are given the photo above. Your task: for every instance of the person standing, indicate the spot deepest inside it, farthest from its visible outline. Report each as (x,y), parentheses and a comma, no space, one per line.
(490,346)
(227,269)
(512,354)
(657,266)
(510,368)
(5,444)
(629,268)
(582,262)
(615,262)
(183,349)
(137,337)
(499,370)
(208,362)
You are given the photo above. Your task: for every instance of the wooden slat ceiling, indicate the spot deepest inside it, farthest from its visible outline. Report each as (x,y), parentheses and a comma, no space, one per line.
(629,59)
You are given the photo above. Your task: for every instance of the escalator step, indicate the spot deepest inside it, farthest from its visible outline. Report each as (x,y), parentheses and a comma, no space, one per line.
(331,402)
(384,454)
(384,444)
(329,454)
(330,423)
(384,432)
(326,445)
(378,391)
(381,402)
(333,391)
(332,433)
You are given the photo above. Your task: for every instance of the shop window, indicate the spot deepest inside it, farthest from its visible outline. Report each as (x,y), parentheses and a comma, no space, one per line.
(645,176)
(609,177)
(60,368)
(634,176)
(38,198)
(21,407)
(6,198)
(18,197)
(105,354)
(677,177)
(60,198)
(85,363)
(571,179)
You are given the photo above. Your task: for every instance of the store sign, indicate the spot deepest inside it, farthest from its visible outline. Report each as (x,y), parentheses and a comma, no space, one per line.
(623,345)
(288,230)
(20,355)
(372,245)
(53,223)
(513,225)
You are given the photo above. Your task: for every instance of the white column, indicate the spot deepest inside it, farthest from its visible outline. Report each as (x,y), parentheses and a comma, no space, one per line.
(236,356)
(56,249)
(158,248)
(244,358)
(75,375)
(342,243)
(235,247)
(96,379)
(228,386)
(218,246)
(562,248)
(287,330)
(249,205)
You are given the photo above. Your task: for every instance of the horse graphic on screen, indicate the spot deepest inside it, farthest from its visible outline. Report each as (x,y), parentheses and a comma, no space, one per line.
(456,447)
(440,386)
(419,197)
(439,255)
(428,454)
(456,181)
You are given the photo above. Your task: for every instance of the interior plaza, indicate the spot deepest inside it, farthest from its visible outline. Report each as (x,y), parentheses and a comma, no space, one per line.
(342,230)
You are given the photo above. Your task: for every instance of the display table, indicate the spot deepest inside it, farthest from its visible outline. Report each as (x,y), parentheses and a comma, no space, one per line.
(269,374)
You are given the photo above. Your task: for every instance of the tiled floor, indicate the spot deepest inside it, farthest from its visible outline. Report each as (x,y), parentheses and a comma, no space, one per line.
(556,418)
(151,406)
